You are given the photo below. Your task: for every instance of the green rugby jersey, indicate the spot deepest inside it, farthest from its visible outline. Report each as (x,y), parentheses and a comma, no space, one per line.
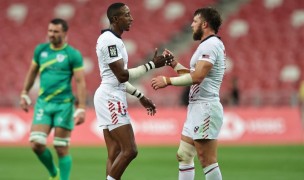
(56,68)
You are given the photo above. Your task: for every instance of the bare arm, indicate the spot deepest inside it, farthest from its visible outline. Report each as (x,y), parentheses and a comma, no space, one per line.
(81,95)
(202,68)
(28,83)
(81,88)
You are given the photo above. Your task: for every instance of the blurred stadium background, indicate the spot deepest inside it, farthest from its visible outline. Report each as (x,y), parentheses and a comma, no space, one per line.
(265,63)
(263,40)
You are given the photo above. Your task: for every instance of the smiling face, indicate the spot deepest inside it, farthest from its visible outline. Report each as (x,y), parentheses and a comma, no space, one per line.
(56,34)
(197,28)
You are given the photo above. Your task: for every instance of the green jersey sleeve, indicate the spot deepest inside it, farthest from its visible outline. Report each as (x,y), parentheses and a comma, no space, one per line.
(77,60)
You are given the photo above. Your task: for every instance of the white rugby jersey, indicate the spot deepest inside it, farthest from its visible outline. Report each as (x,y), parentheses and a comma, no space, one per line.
(212,50)
(110,48)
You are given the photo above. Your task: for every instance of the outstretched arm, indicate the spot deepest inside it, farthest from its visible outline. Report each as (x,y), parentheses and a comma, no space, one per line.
(202,68)
(25,100)
(124,75)
(177,67)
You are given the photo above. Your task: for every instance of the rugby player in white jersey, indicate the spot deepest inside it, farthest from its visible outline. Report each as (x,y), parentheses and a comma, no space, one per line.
(205,112)
(110,98)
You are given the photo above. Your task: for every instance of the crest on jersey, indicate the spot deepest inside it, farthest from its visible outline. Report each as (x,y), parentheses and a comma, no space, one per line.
(60,57)
(44,54)
(112,51)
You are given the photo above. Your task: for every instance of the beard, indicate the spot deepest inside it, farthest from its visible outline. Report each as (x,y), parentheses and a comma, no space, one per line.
(198,34)
(56,41)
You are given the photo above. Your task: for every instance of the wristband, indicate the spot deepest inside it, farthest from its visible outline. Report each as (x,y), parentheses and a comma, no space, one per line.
(180,69)
(150,65)
(133,91)
(137,94)
(137,72)
(184,80)
(78,111)
(27,99)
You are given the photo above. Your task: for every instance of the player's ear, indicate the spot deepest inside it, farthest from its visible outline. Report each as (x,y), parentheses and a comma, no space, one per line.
(115,18)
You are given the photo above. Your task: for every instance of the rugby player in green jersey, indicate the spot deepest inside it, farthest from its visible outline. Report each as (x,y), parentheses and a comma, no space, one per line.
(56,62)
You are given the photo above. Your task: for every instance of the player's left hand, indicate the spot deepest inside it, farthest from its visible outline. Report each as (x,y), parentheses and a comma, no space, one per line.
(149,105)
(79,116)
(162,60)
(158,82)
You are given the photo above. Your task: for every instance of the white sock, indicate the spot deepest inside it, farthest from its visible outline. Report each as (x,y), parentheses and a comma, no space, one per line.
(213,172)
(110,178)
(186,172)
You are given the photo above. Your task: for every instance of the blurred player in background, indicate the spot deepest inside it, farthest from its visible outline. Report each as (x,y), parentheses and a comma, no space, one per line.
(57,62)
(110,98)
(205,112)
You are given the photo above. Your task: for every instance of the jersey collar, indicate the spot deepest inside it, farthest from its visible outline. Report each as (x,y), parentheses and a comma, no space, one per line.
(105,30)
(210,37)
(57,49)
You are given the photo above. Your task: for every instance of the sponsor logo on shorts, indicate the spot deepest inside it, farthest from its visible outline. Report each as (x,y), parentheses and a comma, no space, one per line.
(196,129)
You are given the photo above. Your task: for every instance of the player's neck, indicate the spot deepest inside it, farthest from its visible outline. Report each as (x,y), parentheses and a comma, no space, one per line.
(115,30)
(58,46)
(207,34)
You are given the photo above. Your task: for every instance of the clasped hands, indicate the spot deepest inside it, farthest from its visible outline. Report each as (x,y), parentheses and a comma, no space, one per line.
(160,81)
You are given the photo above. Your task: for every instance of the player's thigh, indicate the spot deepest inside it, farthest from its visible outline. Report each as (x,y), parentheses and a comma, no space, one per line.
(124,136)
(111,144)
(63,115)
(62,132)
(206,150)
(42,115)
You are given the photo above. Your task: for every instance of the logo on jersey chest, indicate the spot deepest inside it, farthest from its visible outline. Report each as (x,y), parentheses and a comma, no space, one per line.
(113,51)
(44,54)
(60,57)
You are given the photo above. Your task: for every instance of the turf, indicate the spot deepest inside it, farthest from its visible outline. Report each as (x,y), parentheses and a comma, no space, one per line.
(158,163)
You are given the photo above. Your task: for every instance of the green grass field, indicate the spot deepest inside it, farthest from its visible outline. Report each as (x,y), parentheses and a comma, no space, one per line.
(158,163)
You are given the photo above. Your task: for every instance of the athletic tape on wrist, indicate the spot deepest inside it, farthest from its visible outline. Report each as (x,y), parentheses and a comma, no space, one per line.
(133,91)
(150,65)
(78,111)
(26,98)
(137,94)
(178,66)
(184,80)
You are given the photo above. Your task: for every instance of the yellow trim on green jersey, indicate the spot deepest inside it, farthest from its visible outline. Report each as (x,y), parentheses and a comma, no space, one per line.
(57,49)
(43,66)
(77,69)
(53,94)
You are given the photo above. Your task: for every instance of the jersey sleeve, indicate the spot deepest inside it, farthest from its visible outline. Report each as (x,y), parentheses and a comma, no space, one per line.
(208,53)
(110,50)
(36,56)
(77,60)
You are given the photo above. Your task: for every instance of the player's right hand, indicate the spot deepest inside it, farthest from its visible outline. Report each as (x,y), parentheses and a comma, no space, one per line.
(149,105)
(167,52)
(25,101)
(162,60)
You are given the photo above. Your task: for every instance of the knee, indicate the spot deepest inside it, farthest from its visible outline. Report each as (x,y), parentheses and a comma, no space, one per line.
(61,146)
(185,153)
(37,148)
(38,141)
(131,153)
(206,159)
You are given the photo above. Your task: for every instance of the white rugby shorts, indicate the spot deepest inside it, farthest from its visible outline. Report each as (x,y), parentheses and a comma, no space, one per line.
(111,107)
(204,120)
